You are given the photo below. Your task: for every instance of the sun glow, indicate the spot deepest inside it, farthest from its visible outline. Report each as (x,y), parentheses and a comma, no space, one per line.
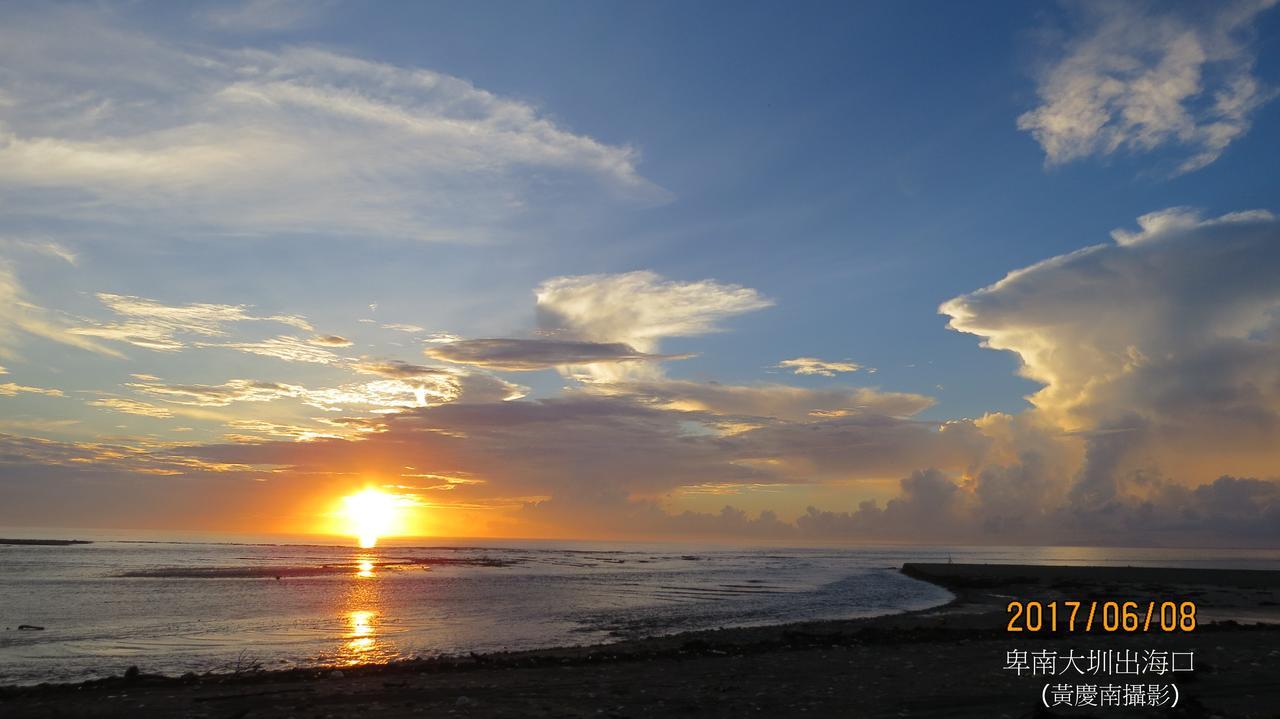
(370,514)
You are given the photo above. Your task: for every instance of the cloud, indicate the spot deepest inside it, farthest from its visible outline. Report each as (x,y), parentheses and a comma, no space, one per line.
(399,369)
(202,395)
(103,122)
(535,354)
(282,347)
(1141,77)
(463,386)
(20,316)
(42,247)
(1157,350)
(9,389)
(773,401)
(330,341)
(638,308)
(815,366)
(131,406)
(263,15)
(406,386)
(156,326)
(274,429)
(403,328)
(1227,512)
(607,451)
(576,447)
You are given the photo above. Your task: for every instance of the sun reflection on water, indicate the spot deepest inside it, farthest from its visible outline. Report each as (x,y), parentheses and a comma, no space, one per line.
(361,638)
(362,615)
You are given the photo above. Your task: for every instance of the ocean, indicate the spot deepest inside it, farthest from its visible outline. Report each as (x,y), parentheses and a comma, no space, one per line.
(175,604)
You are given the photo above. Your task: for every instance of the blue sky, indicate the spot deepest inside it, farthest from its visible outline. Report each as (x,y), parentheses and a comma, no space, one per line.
(854,166)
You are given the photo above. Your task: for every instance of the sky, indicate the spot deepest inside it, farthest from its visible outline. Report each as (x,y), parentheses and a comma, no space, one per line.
(984,273)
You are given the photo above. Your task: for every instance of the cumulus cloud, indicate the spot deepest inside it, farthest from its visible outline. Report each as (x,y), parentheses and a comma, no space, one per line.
(1138,77)
(1229,511)
(1157,350)
(815,366)
(156,326)
(522,355)
(295,139)
(1177,316)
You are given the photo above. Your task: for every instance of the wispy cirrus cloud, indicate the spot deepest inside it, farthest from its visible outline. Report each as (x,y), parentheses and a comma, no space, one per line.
(202,395)
(771,401)
(9,389)
(40,246)
(20,316)
(263,15)
(402,386)
(1138,77)
(282,347)
(165,328)
(131,406)
(99,115)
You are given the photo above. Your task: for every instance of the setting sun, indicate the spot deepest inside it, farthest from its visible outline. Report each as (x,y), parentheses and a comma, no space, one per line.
(370,514)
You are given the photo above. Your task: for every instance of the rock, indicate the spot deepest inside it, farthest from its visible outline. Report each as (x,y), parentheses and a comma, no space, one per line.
(336,674)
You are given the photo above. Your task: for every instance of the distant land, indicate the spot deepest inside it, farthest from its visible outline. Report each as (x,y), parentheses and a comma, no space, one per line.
(45,542)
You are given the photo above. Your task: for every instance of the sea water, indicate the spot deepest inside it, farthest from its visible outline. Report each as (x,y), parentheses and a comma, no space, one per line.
(194,604)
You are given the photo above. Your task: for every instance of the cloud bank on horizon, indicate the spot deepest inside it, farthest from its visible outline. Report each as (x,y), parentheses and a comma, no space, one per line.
(628,402)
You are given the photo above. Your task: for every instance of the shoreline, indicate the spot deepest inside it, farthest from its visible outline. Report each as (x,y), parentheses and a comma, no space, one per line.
(941,661)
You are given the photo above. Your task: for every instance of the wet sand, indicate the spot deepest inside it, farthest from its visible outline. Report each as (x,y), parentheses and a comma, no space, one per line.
(944,662)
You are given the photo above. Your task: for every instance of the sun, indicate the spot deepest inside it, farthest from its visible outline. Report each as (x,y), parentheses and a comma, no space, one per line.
(370,514)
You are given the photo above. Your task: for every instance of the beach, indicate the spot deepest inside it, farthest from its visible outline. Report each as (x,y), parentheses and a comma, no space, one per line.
(946,661)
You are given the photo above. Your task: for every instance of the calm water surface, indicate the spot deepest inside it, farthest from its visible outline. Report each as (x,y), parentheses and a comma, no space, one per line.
(172,605)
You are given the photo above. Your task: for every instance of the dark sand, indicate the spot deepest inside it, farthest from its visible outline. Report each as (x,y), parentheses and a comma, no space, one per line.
(945,662)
